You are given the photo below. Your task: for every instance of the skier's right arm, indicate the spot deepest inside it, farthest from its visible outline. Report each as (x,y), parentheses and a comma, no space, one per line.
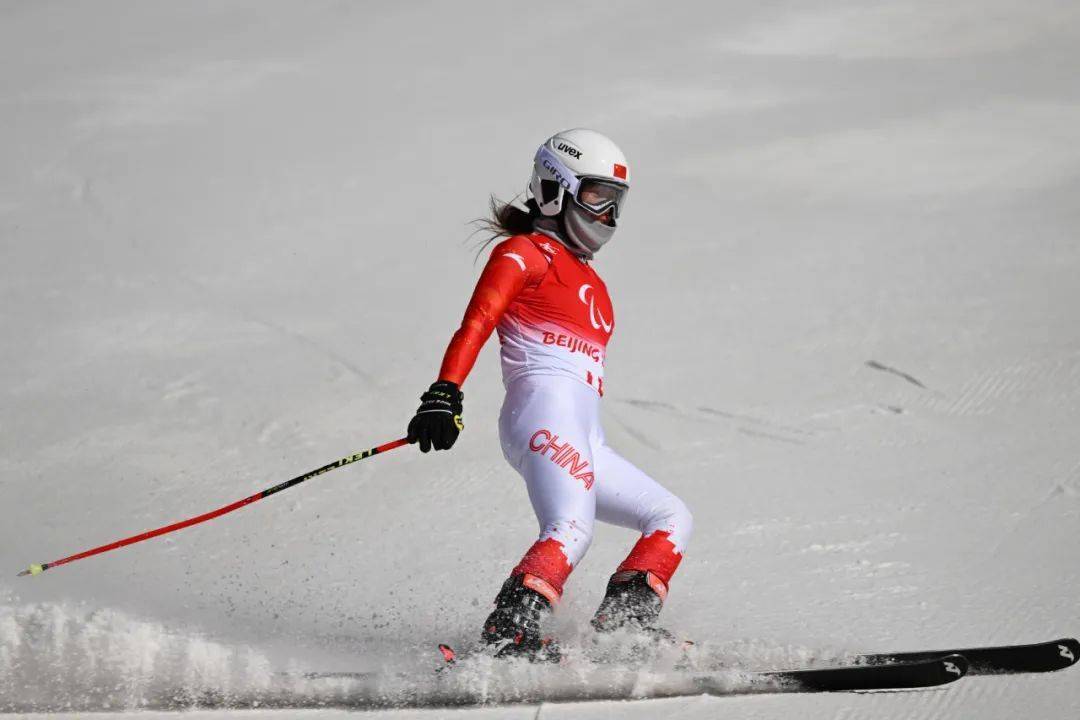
(514,264)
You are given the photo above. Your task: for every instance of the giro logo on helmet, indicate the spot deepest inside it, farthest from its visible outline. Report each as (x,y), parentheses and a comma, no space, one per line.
(595,316)
(559,177)
(569,150)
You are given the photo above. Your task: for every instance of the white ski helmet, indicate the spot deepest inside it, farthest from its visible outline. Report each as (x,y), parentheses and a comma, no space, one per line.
(589,169)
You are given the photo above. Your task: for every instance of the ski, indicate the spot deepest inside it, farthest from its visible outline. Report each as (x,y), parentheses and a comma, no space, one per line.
(1035,658)
(924,673)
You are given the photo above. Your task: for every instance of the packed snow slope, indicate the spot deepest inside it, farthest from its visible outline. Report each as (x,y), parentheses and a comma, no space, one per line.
(234,244)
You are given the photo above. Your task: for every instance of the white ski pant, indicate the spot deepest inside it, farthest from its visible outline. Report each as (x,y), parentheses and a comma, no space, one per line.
(550,432)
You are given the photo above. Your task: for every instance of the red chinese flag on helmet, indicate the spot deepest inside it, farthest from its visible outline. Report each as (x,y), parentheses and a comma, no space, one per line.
(620,171)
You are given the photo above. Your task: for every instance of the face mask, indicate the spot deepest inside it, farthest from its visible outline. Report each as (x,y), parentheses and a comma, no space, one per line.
(585,230)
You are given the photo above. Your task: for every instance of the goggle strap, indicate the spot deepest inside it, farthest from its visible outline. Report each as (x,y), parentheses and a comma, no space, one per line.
(563,175)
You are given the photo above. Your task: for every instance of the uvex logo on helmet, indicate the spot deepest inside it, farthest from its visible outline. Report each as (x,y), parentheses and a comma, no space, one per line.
(568,149)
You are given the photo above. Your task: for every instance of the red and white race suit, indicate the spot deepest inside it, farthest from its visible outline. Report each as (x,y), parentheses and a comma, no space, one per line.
(554,318)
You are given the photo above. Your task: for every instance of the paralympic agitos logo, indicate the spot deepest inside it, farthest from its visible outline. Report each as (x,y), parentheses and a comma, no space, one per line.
(596,318)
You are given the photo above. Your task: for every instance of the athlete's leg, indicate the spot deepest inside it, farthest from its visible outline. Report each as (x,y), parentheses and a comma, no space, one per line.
(545,428)
(628,497)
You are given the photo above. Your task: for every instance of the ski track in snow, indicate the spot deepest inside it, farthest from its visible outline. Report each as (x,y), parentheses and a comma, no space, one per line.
(758,427)
(988,390)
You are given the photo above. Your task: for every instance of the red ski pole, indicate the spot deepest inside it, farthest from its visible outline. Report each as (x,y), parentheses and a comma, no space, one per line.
(38,569)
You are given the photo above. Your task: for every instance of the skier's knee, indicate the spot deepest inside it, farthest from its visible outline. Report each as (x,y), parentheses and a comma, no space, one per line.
(574,535)
(682,521)
(673,517)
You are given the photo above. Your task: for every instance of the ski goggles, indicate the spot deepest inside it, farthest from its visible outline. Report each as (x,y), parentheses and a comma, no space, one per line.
(597,195)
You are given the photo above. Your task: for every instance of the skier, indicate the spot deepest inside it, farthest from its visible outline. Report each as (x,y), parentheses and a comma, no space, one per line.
(554,320)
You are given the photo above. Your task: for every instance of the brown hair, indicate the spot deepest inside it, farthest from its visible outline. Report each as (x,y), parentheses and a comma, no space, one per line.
(505,220)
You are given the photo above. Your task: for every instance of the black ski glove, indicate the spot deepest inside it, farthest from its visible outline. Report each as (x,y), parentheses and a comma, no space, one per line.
(438,419)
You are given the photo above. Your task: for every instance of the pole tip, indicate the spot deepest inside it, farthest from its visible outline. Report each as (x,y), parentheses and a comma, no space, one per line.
(32,570)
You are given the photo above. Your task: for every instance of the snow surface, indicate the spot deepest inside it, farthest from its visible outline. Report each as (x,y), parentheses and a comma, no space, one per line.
(233,245)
